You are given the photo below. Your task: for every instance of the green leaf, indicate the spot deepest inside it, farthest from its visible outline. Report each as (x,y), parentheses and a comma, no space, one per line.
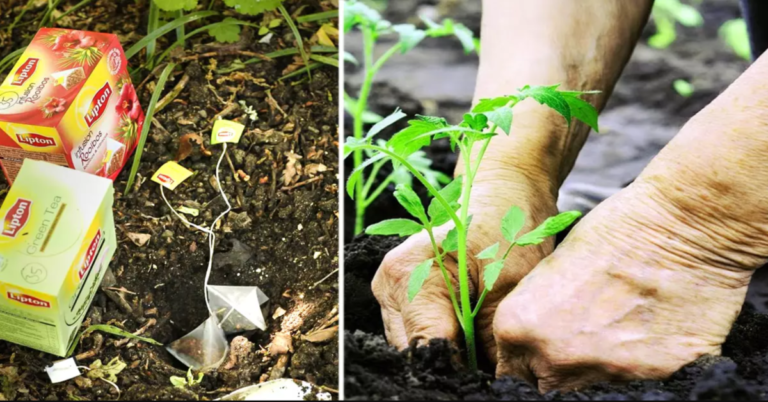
(449,27)
(451,193)
(551,226)
(357,13)
(350,105)
(549,96)
(734,33)
(512,222)
(352,143)
(226,33)
(491,274)
(418,276)
(465,36)
(391,227)
(451,241)
(501,117)
(476,122)
(581,109)
(178,382)
(409,36)
(253,7)
(109,329)
(411,202)
(356,174)
(384,123)
(404,142)
(107,371)
(350,58)
(423,164)
(491,104)
(176,5)
(489,252)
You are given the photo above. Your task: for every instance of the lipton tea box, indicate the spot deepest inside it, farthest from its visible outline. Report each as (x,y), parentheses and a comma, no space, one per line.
(57,238)
(69,100)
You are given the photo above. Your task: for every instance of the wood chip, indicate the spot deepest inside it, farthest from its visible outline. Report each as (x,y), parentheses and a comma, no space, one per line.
(324,335)
(139,239)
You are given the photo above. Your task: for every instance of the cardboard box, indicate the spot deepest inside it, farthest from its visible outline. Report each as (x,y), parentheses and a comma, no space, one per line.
(68,95)
(57,239)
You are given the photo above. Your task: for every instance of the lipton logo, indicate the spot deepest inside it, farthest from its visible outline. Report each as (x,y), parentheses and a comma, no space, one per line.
(16,217)
(36,140)
(97,107)
(90,255)
(25,71)
(165,179)
(28,300)
(226,133)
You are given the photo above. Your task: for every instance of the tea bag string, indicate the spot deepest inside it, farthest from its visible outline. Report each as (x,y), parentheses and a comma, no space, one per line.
(209,231)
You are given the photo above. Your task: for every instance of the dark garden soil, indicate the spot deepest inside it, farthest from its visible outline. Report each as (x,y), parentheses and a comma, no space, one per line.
(282,234)
(373,370)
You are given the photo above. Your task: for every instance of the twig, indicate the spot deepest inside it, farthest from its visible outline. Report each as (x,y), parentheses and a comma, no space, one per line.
(98,340)
(141,331)
(231,166)
(173,94)
(301,183)
(227,53)
(123,290)
(273,103)
(323,280)
(227,111)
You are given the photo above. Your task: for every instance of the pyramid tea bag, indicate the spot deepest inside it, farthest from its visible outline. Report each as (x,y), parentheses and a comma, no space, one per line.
(238,308)
(203,348)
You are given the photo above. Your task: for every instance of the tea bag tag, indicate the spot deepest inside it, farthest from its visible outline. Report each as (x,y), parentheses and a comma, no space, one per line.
(170,175)
(63,370)
(226,131)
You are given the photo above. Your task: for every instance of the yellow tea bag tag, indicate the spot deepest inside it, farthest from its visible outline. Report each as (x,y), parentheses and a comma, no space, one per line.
(170,175)
(226,131)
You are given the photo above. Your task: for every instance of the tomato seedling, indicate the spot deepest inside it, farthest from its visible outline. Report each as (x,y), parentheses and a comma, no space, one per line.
(451,204)
(372,26)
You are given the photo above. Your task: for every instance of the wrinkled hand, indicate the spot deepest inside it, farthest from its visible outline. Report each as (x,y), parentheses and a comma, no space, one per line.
(431,314)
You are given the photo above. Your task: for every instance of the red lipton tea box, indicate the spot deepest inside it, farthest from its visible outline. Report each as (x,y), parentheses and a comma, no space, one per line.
(69,100)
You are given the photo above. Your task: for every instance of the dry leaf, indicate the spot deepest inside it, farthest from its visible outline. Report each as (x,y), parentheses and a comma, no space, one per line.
(324,335)
(186,145)
(282,344)
(139,239)
(292,168)
(314,168)
(278,313)
(326,34)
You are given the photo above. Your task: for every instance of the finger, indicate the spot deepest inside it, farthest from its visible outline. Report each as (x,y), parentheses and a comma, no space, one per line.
(394,329)
(431,314)
(515,342)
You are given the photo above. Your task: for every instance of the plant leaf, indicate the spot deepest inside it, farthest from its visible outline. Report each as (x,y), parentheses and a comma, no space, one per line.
(549,96)
(502,117)
(358,173)
(349,57)
(491,104)
(489,252)
(512,222)
(491,273)
(226,33)
(409,36)
(176,5)
(411,202)
(476,122)
(451,241)
(404,142)
(551,226)
(581,109)
(418,276)
(357,13)
(384,123)
(253,7)
(451,193)
(400,227)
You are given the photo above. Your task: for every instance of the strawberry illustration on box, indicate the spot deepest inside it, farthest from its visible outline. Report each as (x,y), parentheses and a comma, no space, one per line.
(69,100)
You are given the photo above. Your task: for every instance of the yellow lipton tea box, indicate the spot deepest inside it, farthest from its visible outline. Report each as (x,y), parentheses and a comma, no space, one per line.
(69,100)
(57,238)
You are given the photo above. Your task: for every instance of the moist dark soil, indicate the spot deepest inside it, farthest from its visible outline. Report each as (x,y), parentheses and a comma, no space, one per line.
(282,234)
(374,370)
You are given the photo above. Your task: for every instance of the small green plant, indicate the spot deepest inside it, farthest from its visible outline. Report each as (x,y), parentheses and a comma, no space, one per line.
(190,381)
(683,87)
(734,33)
(372,26)
(451,204)
(666,13)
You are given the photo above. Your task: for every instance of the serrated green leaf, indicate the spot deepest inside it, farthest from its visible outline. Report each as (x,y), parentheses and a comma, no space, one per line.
(253,7)
(226,33)
(391,227)
(551,226)
(352,143)
(489,252)
(176,5)
(512,222)
(502,118)
(418,276)
(491,104)
(411,202)
(403,142)
(491,273)
(465,36)
(581,109)
(385,122)
(549,96)
(410,36)
(451,193)
(423,164)
(357,13)
(356,174)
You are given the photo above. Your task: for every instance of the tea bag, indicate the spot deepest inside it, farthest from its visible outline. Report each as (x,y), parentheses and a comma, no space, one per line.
(203,348)
(238,308)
